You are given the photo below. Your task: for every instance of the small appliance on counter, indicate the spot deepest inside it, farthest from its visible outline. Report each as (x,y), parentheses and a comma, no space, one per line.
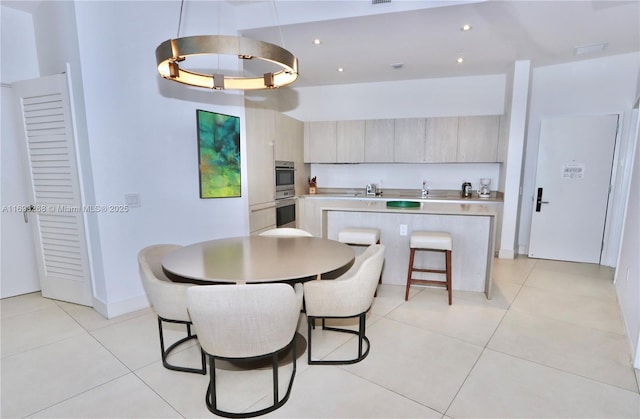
(484,191)
(371,189)
(466,190)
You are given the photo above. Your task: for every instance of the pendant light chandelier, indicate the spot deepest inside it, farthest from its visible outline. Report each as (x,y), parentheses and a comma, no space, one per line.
(174,51)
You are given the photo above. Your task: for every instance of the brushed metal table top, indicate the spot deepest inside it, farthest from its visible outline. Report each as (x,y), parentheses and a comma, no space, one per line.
(256,259)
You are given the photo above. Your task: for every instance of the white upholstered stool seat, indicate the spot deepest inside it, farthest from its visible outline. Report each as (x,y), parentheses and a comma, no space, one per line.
(434,241)
(430,240)
(359,236)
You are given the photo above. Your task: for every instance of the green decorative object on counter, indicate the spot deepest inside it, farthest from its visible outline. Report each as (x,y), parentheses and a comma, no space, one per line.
(403,204)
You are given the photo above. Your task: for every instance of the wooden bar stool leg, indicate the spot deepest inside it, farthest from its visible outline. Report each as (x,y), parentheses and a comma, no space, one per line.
(409,273)
(448,267)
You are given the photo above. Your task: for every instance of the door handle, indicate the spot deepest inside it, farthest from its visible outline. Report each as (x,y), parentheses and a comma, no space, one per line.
(29,208)
(539,200)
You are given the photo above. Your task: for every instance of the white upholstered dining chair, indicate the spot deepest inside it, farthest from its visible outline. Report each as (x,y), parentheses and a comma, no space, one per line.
(286,232)
(349,295)
(246,323)
(169,300)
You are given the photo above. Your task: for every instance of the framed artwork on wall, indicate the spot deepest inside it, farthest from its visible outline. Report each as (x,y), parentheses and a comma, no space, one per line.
(218,154)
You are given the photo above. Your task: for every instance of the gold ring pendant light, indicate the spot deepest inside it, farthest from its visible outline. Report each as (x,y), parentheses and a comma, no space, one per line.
(174,51)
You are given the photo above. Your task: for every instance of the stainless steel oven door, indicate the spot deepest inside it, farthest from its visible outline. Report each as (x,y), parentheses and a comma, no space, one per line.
(286,212)
(285,175)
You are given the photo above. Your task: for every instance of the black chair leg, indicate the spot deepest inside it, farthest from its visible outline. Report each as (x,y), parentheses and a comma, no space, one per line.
(165,352)
(362,338)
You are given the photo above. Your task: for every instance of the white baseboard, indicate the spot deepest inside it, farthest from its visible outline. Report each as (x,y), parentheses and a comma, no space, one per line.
(506,254)
(119,308)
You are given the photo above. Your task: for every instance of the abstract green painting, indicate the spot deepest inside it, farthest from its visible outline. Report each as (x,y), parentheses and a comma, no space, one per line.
(219,154)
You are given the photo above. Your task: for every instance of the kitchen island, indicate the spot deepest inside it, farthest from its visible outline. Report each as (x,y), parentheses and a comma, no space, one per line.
(472,227)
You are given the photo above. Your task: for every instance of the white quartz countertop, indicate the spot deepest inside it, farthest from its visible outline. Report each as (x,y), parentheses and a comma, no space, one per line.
(438,196)
(426,207)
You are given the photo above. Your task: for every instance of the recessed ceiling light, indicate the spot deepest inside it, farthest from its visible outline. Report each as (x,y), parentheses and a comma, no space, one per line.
(317,41)
(340,69)
(460,60)
(466,28)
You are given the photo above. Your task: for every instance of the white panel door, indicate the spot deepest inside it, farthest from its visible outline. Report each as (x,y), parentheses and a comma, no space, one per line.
(572,187)
(56,213)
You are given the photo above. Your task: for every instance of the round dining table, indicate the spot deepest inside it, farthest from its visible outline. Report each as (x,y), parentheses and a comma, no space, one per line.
(257,259)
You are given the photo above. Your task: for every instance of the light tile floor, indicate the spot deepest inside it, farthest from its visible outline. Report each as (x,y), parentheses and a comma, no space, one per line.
(550,344)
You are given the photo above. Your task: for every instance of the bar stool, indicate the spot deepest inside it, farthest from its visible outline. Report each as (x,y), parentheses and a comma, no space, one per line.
(355,236)
(433,241)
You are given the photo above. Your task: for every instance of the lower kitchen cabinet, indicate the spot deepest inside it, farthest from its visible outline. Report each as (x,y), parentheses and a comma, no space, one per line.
(262,217)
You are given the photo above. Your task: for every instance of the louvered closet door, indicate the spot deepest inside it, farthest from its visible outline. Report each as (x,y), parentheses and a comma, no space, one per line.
(57,215)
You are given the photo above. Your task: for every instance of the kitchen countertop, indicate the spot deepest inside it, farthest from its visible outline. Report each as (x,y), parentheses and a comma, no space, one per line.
(426,207)
(435,196)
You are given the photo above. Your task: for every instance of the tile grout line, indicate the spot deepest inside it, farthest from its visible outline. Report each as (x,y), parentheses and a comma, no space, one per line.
(130,371)
(485,347)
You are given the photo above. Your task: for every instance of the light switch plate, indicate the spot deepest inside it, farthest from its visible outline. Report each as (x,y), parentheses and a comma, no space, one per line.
(132,200)
(403,229)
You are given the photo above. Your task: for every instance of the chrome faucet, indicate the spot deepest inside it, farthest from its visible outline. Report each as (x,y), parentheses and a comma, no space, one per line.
(425,191)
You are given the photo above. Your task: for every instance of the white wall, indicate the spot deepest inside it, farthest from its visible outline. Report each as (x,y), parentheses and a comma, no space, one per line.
(453,96)
(137,132)
(627,278)
(19,61)
(142,133)
(600,86)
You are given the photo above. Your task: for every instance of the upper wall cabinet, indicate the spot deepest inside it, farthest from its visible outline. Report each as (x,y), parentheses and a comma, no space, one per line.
(478,138)
(320,142)
(378,140)
(441,142)
(350,141)
(289,134)
(409,140)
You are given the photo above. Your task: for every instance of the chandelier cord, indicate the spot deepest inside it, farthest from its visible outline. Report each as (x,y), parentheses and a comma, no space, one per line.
(275,9)
(180,19)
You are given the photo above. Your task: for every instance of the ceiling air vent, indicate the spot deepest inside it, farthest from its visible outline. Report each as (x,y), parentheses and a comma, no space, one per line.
(380,1)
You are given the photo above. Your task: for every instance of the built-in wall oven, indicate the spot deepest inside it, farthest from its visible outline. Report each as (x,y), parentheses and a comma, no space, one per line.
(286,212)
(285,194)
(285,179)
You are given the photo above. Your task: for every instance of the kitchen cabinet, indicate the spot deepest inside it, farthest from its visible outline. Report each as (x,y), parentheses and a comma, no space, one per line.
(378,140)
(441,143)
(465,139)
(290,147)
(350,141)
(289,134)
(270,136)
(320,142)
(409,140)
(262,217)
(260,138)
(478,138)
